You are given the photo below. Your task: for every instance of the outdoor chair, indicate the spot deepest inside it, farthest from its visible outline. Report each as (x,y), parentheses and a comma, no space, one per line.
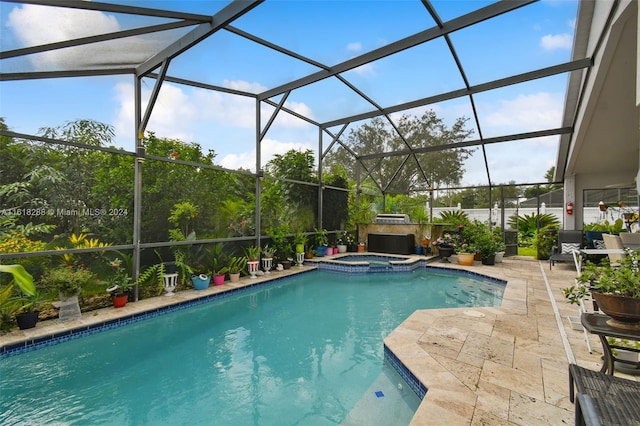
(613,242)
(568,242)
(630,240)
(594,239)
(603,399)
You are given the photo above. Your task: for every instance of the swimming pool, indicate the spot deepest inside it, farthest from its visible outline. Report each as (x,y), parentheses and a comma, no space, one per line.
(306,350)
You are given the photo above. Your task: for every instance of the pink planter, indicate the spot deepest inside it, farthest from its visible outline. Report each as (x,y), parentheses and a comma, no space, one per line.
(218,279)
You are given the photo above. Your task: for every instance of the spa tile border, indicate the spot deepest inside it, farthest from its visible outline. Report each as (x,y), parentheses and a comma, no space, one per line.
(401,265)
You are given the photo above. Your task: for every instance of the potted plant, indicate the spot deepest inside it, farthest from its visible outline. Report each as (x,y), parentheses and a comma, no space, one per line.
(466,253)
(501,246)
(25,307)
(69,281)
(281,243)
(219,275)
(219,262)
(309,252)
(236,266)
(626,352)
(253,260)
(341,244)
(446,245)
(615,289)
(120,284)
(321,241)
(300,240)
(199,256)
(487,247)
(350,241)
(267,258)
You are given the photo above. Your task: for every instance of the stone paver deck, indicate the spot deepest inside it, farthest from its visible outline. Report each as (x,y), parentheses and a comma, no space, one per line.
(499,366)
(504,365)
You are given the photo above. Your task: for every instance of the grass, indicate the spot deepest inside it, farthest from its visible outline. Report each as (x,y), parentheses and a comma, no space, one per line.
(528,251)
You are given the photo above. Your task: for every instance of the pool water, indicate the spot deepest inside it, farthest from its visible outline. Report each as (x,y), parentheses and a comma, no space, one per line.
(303,351)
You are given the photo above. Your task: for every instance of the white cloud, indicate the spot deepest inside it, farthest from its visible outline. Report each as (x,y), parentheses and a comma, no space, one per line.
(178,112)
(556,41)
(35,25)
(172,116)
(244,86)
(524,113)
(365,70)
(62,23)
(354,47)
(269,148)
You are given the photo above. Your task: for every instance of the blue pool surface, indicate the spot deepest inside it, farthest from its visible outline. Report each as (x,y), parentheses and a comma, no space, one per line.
(302,351)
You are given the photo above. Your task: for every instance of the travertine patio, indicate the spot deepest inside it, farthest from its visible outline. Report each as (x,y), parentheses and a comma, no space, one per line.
(482,366)
(499,366)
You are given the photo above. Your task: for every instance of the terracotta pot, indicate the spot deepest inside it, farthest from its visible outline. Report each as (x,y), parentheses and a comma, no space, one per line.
(120,300)
(623,309)
(466,259)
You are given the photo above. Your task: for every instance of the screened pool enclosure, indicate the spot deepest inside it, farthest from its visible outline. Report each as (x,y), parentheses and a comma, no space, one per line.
(131,129)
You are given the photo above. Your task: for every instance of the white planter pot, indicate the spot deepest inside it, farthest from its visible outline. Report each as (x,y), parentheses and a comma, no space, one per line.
(627,356)
(342,248)
(253,267)
(267,264)
(169,283)
(499,256)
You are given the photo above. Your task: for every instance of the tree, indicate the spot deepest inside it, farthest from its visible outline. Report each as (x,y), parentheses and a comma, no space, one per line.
(406,173)
(165,183)
(285,201)
(533,191)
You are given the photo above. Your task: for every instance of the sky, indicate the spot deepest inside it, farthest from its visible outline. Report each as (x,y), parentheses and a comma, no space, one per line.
(532,37)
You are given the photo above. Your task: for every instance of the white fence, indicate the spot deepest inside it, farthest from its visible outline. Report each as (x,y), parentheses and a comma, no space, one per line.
(590,214)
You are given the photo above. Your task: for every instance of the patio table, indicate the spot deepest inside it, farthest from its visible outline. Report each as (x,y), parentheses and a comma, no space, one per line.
(597,323)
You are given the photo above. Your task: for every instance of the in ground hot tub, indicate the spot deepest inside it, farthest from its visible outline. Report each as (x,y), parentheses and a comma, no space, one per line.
(355,263)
